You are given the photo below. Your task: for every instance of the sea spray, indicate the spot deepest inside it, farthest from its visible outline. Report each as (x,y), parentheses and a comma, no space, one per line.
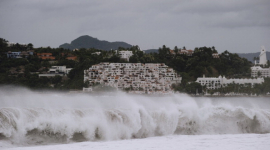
(31,118)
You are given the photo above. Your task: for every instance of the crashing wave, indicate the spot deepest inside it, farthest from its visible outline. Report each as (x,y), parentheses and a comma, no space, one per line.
(75,118)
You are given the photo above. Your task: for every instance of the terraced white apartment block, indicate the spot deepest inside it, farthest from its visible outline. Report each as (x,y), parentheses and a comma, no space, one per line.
(138,77)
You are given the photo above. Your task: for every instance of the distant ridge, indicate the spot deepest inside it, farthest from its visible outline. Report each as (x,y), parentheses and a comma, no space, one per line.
(151,51)
(250,56)
(87,41)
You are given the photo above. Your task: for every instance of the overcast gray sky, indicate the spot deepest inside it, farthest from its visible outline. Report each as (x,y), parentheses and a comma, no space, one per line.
(233,25)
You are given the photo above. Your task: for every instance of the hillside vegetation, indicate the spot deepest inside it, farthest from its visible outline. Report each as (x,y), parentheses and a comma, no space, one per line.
(24,71)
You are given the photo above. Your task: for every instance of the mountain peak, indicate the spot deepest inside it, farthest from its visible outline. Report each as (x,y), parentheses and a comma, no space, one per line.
(87,41)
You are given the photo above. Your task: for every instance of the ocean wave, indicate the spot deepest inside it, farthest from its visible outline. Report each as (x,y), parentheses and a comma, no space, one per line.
(24,120)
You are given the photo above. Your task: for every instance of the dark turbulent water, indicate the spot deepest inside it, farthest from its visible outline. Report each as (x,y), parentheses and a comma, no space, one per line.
(33,118)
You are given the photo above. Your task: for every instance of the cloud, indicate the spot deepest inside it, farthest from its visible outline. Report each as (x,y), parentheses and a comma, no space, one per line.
(229,13)
(148,23)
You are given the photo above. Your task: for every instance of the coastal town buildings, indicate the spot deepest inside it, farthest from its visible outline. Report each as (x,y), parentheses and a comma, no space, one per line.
(186,52)
(19,54)
(135,77)
(69,56)
(215,83)
(259,69)
(45,56)
(27,53)
(125,54)
(96,53)
(56,70)
(59,69)
(215,55)
(13,54)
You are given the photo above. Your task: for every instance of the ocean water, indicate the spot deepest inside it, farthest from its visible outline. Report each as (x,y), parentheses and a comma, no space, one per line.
(47,120)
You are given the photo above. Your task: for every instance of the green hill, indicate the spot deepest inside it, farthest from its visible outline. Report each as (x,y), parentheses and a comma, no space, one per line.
(90,42)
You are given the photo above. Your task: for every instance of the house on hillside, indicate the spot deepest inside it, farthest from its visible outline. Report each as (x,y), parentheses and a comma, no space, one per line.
(56,70)
(75,49)
(27,53)
(45,56)
(96,53)
(23,54)
(69,56)
(13,54)
(125,54)
(215,55)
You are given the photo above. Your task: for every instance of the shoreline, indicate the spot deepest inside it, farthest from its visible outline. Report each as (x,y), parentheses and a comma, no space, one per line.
(159,95)
(229,96)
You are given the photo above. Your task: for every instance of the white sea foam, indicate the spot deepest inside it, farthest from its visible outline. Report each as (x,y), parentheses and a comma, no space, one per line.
(33,118)
(170,142)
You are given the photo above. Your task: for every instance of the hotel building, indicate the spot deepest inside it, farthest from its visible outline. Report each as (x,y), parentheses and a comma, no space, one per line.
(137,77)
(215,83)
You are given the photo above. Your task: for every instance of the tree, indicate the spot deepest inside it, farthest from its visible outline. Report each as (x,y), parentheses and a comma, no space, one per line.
(193,88)
(176,50)
(133,59)
(56,79)
(259,74)
(30,46)
(3,44)
(214,49)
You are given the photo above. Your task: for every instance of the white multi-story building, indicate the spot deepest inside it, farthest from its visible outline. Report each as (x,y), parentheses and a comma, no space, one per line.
(96,53)
(125,54)
(215,83)
(215,55)
(60,69)
(257,71)
(186,52)
(56,70)
(143,78)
